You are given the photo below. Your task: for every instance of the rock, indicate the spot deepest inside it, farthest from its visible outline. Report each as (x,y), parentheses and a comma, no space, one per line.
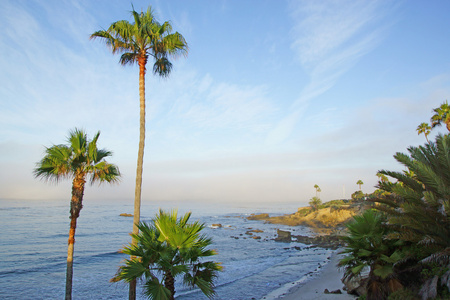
(216,226)
(126,215)
(357,285)
(257,237)
(326,291)
(258,217)
(283,236)
(322,241)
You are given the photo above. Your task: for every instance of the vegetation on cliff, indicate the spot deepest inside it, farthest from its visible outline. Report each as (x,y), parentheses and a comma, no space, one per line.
(331,215)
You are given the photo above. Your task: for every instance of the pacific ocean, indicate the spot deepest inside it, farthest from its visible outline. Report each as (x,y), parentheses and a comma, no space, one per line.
(33,249)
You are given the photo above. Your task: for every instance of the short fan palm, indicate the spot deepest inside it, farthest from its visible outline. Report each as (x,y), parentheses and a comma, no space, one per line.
(167,248)
(367,248)
(77,160)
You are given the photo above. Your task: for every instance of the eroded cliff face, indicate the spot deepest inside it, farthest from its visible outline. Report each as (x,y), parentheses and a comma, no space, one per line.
(328,218)
(322,218)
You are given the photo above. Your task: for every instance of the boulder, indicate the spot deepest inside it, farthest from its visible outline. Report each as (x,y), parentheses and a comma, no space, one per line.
(126,215)
(258,217)
(326,291)
(283,236)
(356,285)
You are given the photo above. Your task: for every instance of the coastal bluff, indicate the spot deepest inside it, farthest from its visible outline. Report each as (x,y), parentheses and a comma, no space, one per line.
(332,215)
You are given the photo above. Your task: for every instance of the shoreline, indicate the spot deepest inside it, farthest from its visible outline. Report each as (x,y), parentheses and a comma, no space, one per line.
(312,287)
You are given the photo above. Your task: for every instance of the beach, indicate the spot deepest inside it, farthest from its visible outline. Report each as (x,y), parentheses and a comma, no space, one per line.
(313,289)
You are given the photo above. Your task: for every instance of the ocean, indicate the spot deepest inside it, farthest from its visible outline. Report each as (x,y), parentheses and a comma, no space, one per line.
(33,249)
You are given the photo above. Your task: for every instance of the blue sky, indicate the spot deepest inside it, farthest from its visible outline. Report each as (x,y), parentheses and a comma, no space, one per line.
(273,98)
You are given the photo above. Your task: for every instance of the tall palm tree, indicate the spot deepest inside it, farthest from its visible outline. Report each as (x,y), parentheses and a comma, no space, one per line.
(169,247)
(317,189)
(441,115)
(360,182)
(418,207)
(137,41)
(77,160)
(425,129)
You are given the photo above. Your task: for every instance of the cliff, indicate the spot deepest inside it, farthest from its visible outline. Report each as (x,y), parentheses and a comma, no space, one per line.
(331,215)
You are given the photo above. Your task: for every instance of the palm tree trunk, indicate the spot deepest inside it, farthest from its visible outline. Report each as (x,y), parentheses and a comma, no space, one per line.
(76,204)
(142,61)
(169,283)
(70,248)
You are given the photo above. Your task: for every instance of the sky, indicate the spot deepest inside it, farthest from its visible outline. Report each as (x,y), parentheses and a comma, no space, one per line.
(272,98)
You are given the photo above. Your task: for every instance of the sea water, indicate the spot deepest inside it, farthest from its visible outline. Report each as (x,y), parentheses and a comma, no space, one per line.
(33,249)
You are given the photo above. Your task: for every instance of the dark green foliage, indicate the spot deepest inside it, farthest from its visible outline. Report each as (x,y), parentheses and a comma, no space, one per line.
(315,203)
(358,195)
(418,209)
(166,248)
(367,249)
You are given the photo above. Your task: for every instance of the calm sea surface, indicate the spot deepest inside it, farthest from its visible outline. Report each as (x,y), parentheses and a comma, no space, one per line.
(33,249)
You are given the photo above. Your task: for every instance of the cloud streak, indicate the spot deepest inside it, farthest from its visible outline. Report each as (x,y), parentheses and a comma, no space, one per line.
(329,37)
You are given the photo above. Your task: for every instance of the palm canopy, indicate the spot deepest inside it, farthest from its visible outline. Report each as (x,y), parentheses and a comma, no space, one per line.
(418,208)
(80,157)
(425,129)
(441,115)
(166,248)
(422,202)
(145,37)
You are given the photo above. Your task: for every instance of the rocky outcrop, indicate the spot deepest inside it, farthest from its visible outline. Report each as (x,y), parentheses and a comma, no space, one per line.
(322,218)
(126,215)
(326,291)
(283,236)
(356,285)
(323,241)
(258,217)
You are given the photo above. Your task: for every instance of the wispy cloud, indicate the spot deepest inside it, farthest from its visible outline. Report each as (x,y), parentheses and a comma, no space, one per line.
(328,39)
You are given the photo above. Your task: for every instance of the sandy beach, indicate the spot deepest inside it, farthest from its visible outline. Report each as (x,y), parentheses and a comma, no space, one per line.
(313,289)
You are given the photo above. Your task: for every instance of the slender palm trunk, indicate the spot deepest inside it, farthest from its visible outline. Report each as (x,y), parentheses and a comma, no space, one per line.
(169,283)
(142,61)
(76,204)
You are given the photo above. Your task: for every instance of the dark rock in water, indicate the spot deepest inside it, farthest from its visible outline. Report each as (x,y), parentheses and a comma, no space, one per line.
(283,236)
(257,237)
(126,215)
(322,241)
(216,225)
(326,291)
(258,217)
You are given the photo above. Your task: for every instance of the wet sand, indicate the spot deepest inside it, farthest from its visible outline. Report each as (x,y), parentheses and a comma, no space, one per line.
(313,289)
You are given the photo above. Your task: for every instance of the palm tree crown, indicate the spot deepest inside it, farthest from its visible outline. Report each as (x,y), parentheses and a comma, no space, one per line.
(425,129)
(145,37)
(441,115)
(77,160)
(169,247)
(360,182)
